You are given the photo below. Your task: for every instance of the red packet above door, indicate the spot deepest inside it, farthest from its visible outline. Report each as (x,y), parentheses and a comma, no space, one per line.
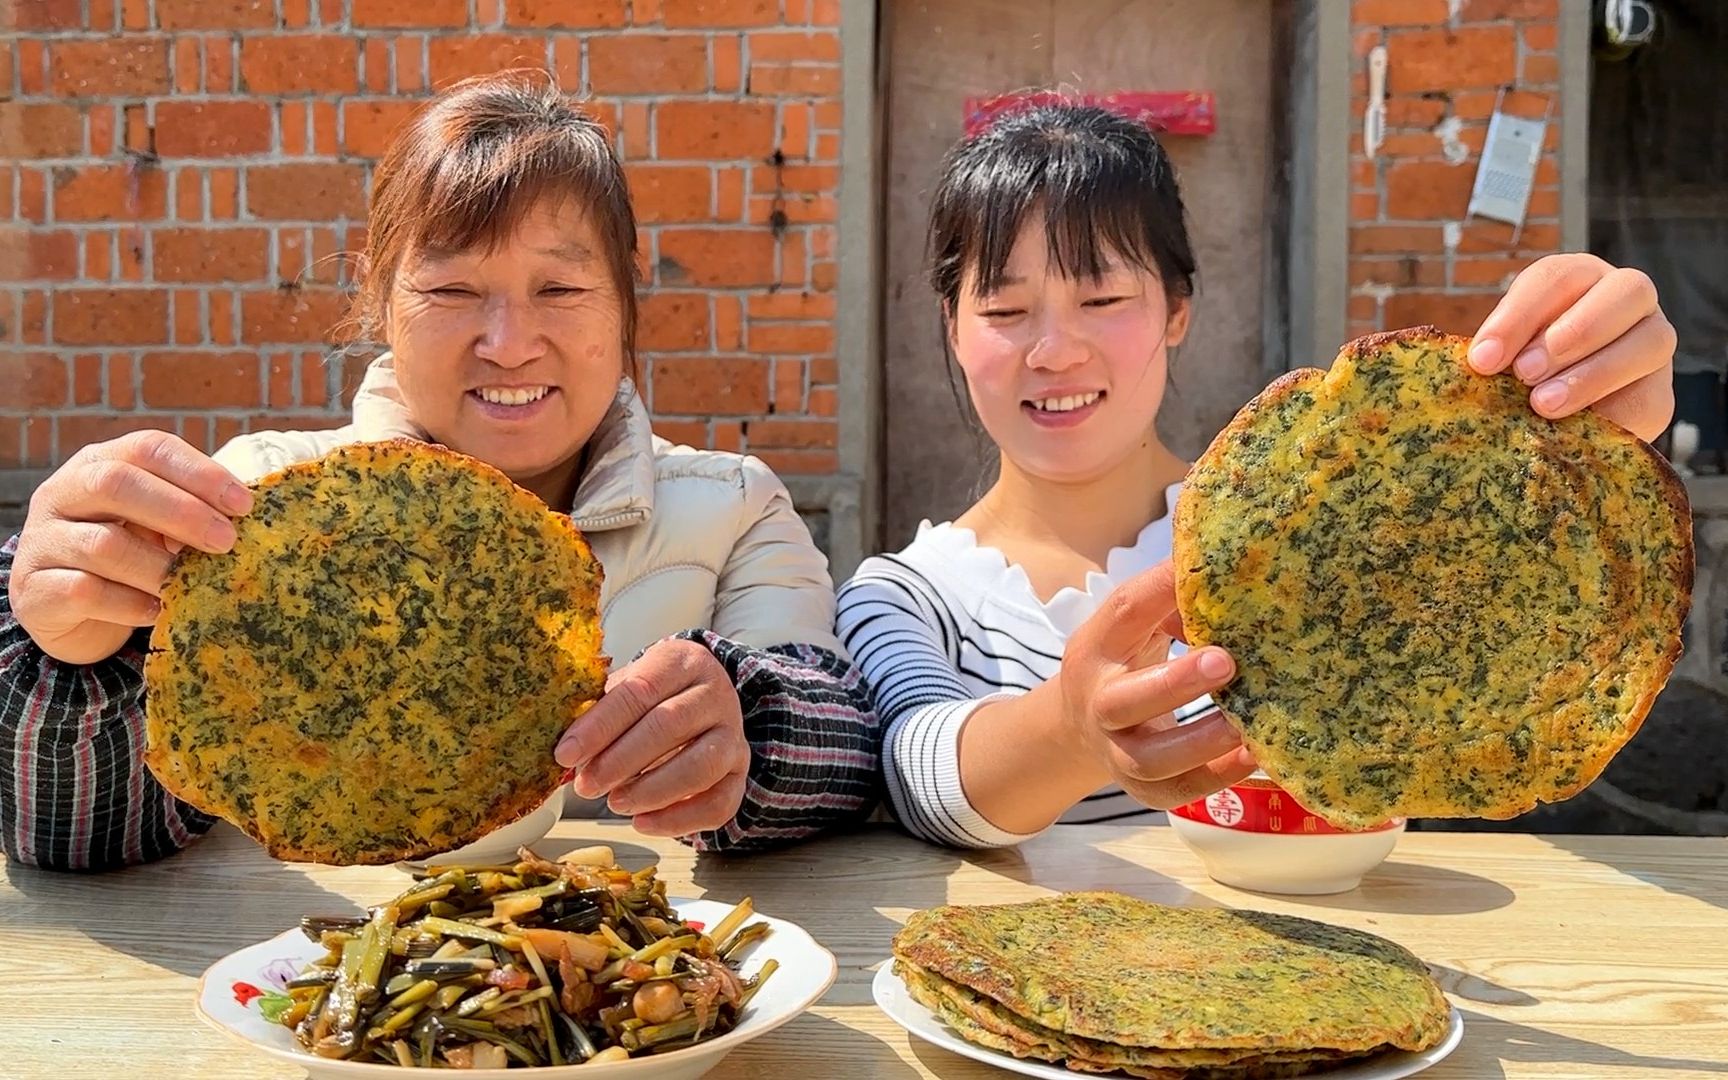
(1168,112)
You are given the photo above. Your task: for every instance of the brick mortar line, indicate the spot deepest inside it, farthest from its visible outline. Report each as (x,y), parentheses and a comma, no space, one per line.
(335,408)
(347,31)
(226,412)
(584,97)
(1375,288)
(1408,223)
(254,285)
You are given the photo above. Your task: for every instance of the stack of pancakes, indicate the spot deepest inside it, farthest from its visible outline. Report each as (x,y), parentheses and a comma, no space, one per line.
(1102,982)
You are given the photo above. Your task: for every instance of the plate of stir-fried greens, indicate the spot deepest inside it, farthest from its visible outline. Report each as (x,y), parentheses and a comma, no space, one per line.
(571,967)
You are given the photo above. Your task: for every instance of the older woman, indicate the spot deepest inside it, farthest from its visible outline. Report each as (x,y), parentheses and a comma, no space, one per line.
(499,270)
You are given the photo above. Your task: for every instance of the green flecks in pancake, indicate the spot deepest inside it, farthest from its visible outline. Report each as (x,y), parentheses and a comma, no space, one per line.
(382,665)
(1440,603)
(1113,969)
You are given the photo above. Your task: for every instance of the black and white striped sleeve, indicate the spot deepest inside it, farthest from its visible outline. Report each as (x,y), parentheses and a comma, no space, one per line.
(906,641)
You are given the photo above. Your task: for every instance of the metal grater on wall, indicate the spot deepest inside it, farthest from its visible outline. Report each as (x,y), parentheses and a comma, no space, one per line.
(1507,170)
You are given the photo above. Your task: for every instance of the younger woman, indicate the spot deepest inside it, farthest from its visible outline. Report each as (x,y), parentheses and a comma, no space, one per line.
(1020,657)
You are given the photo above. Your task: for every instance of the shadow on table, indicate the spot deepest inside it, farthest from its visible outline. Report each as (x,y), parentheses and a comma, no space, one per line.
(815,1046)
(182,913)
(1699,875)
(866,881)
(1412,889)
(1491,1041)
(1488,1044)
(1471,987)
(220,894)
(629,856)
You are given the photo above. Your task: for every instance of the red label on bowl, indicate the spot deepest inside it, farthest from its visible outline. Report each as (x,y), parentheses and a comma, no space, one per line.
(1260,806)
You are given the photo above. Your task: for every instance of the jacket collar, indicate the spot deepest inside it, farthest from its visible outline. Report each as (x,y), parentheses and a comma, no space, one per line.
(616,490)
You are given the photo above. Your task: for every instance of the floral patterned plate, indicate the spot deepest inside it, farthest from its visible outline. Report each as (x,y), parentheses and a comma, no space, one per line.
(242,995)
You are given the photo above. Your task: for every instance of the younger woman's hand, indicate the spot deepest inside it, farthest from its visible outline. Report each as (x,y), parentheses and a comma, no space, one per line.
(1120,689)
(1583,334)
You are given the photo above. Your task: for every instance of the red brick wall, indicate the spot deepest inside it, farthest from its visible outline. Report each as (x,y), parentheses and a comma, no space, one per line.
(180,177)
(1413,257)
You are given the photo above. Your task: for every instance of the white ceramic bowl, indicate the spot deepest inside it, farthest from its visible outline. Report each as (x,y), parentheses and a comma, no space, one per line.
(499,846)
(1253,835)
(806,972)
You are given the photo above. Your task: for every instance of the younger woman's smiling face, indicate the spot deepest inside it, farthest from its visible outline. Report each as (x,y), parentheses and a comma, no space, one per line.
(1066,373)
(511,354)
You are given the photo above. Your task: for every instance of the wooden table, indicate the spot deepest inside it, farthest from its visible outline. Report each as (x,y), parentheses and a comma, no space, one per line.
(1594,958)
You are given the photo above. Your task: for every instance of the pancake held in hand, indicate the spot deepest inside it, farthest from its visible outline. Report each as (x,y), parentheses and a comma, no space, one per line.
(1440,603)
(382,666)
(1103,981)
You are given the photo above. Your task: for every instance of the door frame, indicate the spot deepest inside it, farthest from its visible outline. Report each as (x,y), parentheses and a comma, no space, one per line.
(1576,23)
(1314,247)
(855,498)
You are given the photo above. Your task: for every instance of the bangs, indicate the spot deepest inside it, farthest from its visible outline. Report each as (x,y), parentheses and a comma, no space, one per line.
(466,172)
(478,195)
(1086,232)
(1101,185)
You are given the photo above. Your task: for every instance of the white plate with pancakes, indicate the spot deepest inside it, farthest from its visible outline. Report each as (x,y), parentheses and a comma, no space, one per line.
(891,997)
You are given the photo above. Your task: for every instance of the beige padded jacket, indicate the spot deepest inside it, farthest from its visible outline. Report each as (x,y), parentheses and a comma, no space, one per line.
(688,538)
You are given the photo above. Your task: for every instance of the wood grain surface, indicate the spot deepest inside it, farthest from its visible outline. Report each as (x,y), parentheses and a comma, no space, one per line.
(1595,958)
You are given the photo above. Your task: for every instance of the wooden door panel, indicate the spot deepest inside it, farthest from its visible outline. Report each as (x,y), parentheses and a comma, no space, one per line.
(940,53)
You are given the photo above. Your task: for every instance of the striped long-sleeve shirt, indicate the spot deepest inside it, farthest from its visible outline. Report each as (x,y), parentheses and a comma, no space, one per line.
(75,794)
(945,625)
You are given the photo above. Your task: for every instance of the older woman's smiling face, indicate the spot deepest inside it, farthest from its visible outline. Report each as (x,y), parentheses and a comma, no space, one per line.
(512,354)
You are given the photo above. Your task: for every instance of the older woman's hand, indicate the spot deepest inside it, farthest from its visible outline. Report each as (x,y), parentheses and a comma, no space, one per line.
(1584,334)
(101,532)
(665,743)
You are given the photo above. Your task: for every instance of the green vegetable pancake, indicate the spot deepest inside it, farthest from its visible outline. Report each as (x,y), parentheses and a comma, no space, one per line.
(1440,603)
(1102,981)
(381,667)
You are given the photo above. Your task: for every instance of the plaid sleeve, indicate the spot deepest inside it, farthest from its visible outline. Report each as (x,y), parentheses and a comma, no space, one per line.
(815,744)
(74,792)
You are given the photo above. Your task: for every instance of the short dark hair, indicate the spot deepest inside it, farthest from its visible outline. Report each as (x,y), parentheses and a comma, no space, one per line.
(1102,181)
(470,166)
